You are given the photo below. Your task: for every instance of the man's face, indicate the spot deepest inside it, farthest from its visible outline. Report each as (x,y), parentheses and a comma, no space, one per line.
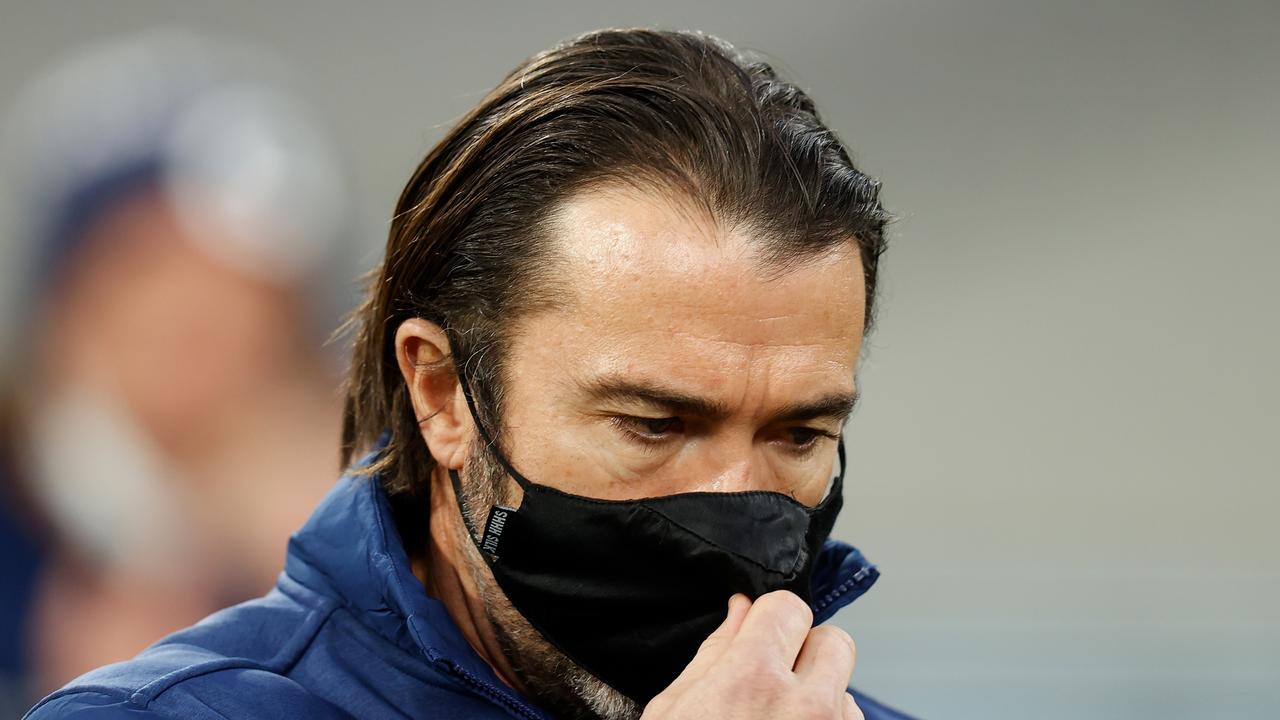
(677,365)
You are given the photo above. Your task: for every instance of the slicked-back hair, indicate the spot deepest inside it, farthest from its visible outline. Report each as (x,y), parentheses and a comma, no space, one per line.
(470,246)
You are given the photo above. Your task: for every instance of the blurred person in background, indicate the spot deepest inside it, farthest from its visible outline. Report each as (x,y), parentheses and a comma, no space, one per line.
(169,413)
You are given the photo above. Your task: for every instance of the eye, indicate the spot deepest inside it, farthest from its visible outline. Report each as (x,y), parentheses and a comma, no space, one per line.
(648,429)
(804,440)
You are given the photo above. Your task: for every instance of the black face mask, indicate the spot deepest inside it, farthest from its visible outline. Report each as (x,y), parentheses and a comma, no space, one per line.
(629,589)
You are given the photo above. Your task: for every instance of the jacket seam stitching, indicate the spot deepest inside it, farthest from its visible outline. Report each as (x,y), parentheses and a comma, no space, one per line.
(114,693)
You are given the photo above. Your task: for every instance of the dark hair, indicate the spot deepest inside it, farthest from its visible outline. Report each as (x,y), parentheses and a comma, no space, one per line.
(675,111)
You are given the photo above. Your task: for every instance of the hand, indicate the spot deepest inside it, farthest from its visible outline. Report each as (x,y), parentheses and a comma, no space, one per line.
(765,661)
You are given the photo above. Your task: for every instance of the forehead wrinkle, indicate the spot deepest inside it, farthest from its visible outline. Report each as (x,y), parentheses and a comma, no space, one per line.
(748,369)
(752,347)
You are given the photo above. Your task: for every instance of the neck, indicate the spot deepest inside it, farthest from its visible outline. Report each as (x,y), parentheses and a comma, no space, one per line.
(446,574)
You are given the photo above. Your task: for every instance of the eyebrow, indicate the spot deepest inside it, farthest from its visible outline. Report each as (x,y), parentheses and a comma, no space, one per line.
(834,406)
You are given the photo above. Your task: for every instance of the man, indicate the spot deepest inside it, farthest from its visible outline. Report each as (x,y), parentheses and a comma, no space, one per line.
(594,409)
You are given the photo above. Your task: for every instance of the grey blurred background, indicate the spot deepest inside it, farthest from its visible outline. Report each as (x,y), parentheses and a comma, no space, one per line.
(1064,463)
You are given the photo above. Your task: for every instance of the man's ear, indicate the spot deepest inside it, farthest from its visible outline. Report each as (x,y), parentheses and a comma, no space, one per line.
(423,353)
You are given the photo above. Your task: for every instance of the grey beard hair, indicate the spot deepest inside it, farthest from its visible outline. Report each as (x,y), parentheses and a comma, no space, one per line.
(554,680)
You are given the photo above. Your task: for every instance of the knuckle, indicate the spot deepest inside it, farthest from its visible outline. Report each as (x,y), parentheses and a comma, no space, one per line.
(835,641)
(846,637)
(788,605)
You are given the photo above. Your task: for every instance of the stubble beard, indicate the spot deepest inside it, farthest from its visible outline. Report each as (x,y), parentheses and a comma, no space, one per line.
(555,681)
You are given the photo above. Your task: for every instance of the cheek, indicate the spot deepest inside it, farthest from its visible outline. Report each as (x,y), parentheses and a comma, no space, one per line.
(817,479)
(545,441)
(553,448)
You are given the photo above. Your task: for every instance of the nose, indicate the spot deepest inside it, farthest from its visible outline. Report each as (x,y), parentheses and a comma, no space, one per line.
(734,465)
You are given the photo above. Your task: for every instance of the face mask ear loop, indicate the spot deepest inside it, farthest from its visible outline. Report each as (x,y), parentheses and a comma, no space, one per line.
(466,520)
(492,446)
(488,439)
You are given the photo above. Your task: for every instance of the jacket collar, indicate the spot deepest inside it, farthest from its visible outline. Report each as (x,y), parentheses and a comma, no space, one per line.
(350,552)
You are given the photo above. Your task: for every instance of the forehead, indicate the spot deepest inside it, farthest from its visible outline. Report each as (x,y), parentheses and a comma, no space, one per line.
(654,283)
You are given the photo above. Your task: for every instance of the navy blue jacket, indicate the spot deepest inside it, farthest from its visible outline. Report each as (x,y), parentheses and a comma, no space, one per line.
(348,632)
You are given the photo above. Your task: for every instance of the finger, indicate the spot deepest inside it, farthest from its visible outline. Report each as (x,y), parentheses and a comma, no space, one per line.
(716,643)
(775,627)
(739,606)
(851,710)
(827,658)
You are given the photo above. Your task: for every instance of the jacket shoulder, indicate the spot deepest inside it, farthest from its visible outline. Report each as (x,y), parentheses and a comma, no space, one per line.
(228,665)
